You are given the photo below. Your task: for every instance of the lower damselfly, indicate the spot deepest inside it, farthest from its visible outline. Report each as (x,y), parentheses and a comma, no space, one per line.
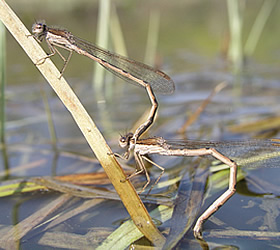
(251,153)
(131,71)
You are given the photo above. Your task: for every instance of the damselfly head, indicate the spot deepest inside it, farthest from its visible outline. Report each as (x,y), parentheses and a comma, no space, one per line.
(39,28)
(124,141)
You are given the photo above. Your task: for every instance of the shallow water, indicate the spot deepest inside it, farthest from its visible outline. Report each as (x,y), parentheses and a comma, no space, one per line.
(248,98)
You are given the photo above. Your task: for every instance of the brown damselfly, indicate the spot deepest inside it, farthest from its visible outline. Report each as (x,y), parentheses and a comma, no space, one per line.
(132,71)
(251,153)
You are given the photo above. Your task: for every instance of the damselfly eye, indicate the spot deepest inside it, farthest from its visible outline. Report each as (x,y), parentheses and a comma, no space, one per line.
(123,142)
(37,28)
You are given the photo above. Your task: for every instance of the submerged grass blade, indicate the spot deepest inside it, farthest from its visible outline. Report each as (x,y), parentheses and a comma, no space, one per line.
(243,234)
(128,233)
(10,239)
(18,186)
(87,204)
(50,120)
(256,126)
(188,202)
(201,108)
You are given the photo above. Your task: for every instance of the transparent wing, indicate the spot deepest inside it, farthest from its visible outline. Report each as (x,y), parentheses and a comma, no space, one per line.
(159,81)
(251,153)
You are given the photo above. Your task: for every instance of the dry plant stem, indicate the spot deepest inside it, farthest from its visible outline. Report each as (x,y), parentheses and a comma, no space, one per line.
(201,108)
(94,138)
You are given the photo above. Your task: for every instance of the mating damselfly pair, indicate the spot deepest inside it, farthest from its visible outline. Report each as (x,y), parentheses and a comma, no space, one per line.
(155,80)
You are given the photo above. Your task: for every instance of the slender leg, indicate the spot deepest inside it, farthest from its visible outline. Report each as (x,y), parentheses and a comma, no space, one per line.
(139,161)
(124,156)
(142,168)
(162,172)
(53,51)
(141,165)
(65,62)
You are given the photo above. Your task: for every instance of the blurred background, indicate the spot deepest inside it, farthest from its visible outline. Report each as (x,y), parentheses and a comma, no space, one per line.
(188,35)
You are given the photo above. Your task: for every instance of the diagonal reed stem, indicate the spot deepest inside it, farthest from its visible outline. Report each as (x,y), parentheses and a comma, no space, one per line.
(127,193)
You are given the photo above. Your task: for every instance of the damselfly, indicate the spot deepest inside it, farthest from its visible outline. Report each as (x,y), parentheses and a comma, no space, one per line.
(132,71)
(252,153)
